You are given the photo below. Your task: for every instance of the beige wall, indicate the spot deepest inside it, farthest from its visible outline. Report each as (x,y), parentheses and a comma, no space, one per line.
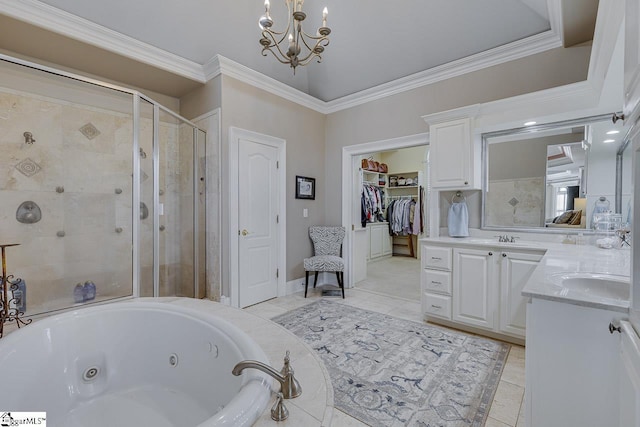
(405,160)
(400,115)
(246,107)
(202,100)
(504,156)
(249,108)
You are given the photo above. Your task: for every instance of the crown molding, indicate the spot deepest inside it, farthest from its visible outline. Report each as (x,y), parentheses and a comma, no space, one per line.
(457,113)
(516,50)
(499,55)
(67,24)
(225,66)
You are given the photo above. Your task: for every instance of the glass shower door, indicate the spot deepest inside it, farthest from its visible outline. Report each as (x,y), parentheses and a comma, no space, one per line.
(178,220)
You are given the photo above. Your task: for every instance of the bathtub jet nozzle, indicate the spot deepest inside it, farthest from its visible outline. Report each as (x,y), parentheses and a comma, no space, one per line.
(289,385)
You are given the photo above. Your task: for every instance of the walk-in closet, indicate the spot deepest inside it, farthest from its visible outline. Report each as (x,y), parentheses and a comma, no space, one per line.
(393,208)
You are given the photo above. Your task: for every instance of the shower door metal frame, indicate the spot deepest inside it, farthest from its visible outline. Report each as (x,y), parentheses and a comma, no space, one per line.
(135,228)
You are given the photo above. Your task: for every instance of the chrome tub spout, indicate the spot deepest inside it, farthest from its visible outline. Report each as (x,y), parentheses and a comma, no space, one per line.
(289,385)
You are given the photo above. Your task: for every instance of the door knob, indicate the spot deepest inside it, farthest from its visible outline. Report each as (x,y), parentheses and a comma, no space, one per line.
(245,232)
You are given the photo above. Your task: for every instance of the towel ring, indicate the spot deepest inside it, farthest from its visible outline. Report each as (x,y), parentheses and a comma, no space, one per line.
(459,195)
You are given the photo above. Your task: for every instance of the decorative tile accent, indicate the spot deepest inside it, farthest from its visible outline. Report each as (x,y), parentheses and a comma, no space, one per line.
(513,202)
(28,167)
(89,130)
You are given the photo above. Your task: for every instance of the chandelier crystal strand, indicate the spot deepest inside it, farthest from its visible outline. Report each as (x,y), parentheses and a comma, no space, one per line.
(288,44)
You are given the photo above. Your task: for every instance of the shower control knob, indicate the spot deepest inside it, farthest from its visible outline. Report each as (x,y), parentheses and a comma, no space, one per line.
(617,117)
(613,328)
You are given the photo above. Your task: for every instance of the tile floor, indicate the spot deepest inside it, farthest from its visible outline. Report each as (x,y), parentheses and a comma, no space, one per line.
(506,409)
(396,275)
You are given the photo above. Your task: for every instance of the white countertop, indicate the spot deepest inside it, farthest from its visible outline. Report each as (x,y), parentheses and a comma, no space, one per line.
(559,258)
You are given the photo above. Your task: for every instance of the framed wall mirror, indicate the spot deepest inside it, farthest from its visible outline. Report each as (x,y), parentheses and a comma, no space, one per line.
(554,177)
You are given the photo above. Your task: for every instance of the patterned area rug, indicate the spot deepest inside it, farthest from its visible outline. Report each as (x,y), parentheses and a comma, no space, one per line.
(392,372)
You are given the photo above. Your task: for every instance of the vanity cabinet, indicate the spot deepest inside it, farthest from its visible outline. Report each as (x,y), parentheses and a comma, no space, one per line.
(474,290)
(515,270)
(572,365)
(453,156)
(435,281)
(478,286)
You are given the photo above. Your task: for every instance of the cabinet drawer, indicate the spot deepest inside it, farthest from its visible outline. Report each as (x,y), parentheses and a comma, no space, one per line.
(436,305)
(436,257)
(436,281)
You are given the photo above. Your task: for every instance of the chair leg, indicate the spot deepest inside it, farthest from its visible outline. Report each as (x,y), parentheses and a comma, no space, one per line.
(315,281)
(306,282)
(342,282)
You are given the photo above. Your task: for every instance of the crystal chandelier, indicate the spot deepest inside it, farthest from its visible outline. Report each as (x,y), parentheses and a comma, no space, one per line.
(295,37)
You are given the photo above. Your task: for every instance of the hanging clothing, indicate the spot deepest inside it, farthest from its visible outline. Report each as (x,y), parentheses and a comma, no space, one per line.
(371,204)
(402,217)
(417,218)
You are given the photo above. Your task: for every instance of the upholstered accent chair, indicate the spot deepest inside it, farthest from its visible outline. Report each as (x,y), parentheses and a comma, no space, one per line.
(327,246)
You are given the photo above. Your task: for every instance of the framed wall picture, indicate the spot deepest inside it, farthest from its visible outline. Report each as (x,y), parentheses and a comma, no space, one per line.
(305,188)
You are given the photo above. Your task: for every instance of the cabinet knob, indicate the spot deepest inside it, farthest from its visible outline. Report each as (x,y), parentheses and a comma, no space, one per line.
(504,255)
(490,253)
(466,183)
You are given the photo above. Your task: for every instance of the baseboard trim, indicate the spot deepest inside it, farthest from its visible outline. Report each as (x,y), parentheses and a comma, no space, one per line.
(297,285)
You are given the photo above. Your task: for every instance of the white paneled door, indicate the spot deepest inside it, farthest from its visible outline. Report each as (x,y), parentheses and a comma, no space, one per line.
(257,221)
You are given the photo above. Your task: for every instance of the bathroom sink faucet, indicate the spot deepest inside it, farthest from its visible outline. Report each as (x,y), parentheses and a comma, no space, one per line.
(506,239)
(289,385)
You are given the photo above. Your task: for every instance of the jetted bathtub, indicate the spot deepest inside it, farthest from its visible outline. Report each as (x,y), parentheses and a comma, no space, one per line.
(137,363)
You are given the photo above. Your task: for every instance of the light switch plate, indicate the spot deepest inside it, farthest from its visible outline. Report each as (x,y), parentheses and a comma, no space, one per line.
(305,213)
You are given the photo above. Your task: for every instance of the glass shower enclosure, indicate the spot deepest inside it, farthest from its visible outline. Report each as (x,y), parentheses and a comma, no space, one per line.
(101,187)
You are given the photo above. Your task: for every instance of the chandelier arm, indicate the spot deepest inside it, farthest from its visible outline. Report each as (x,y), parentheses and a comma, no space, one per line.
(277,46)
(286,62)
(272,36)
(310,58)
(312,53)
(305,41)
(322,42)
(313,37)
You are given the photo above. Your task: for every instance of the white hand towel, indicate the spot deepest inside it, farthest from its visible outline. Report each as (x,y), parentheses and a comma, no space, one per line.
(458,220)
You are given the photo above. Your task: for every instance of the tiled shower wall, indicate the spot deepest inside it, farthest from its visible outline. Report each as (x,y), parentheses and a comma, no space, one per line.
(79,172)
(515,202)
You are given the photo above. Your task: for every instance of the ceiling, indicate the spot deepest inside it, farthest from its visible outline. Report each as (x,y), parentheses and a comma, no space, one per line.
(372,42)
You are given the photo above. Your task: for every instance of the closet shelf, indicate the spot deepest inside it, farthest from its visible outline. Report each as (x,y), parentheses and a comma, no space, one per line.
(402,186)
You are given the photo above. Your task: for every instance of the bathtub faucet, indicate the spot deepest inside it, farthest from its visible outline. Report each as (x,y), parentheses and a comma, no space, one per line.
(289,385)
